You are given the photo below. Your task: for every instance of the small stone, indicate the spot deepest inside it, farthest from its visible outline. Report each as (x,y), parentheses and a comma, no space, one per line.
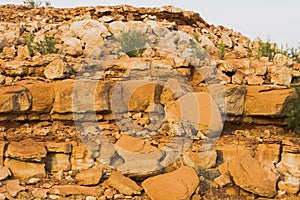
(56,147)
(58,161)
(40,193)
(123,184)
(13,187)
(254,80)
(56,70)
(4,173)
(15,68)
(291,185)
(89,177)
(280,60)
(33,181)
(223,180)
(109,193)
(226,40)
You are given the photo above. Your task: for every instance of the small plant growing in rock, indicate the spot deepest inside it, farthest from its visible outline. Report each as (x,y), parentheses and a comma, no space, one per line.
(294,53)
(200,52)
(33,3)
(221,51)
(45,46)
(267,49)
(132,43)
(293,115)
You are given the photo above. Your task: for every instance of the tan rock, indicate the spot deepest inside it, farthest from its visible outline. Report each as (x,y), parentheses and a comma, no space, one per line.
(280,60)
(280,75)
(235,100)
(238,78)
(240,51)
(267,154)
(254,80)
(57,69)
(258,101)
(199,109)
(25,170)
(42,95)
(74,190)
(117,27)
(13,187)
(56,147)
(131,148)
(179,184)
(89,177)
(123,184)
(289,164)
(15,68)
(3,146)
(72,46)
(203,160)
(27,150)
(90,96)
(233,149)
(58,162)
(290,185)
(40,193)
(223,180)
(81,158)
(249,175)
(137,26)
(226,40)
(4,173)
(14,99)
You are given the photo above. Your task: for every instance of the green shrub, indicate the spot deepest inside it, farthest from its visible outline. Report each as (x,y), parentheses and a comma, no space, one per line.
(293,115)
(32,3)
(221,51)
(267,49)
(294,53)
(132,43)
(45,46)
(200,52)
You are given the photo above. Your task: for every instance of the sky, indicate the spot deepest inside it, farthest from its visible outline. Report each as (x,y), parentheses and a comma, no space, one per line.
(277,20)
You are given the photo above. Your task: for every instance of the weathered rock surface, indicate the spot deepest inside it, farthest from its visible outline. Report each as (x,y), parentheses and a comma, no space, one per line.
(89,176)
(249,175)
(13,187)
(179,184)
(123,184)
(25,170)
(258,101)
(198,109)
(26,150)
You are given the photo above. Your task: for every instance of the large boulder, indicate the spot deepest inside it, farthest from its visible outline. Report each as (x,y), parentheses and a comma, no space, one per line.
(199,110)
(179,184)
(265,101)
(248,174)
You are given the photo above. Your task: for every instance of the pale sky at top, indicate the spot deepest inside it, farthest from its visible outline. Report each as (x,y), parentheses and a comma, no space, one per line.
(276,19)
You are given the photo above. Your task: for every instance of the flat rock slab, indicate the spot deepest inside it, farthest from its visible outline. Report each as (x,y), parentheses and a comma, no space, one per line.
(26,150)
(251,176)
(74,190)
(179,184)
(123,184)
(13,187)
(89,176)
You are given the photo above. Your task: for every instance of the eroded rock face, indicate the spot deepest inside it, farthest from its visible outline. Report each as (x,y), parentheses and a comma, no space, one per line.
(179,184)
(257,101)
(27,150)
(249,175)
(198,109)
